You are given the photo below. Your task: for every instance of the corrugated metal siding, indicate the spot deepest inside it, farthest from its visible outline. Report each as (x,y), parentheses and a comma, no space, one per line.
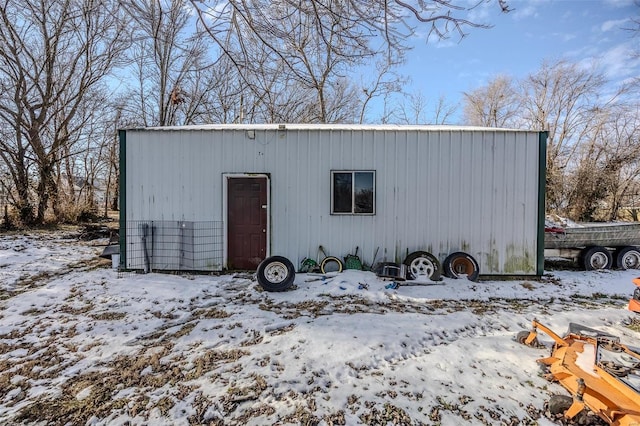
(439,190)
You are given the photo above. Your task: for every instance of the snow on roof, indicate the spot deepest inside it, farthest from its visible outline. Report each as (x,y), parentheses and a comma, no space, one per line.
(294,126)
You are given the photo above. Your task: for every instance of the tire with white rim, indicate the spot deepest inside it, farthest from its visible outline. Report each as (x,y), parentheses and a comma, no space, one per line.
(628,258)
(421,265)
(276,273)
(596,258)
(331,264)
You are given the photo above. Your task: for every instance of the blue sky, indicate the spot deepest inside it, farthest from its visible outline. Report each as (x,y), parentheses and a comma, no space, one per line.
(586,31)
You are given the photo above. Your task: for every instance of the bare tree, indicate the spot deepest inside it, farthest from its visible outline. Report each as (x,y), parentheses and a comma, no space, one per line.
(390,20)
(608,166)
(17,177)
(220,95)
(264,90)
(561,98)
(80,159)
(310,48)
(495,105)
(319,43)
(415,108)
(168,59)
(52,53)
(443,111)
(592,153)
(635,21)
(634,28)
(383,83)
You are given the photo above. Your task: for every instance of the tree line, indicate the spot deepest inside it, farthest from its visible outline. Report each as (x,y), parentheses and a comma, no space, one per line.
(72,72)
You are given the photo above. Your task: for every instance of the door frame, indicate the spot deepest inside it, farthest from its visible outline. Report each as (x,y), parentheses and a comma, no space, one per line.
(225,209)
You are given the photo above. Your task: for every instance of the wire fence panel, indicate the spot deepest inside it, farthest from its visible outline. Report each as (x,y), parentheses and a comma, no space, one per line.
(173,246)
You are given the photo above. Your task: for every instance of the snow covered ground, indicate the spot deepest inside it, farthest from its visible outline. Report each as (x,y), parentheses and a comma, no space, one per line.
(81,344)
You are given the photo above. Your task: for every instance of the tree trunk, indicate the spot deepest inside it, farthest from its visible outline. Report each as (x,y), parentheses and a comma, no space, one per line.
(47,191)
(115,202)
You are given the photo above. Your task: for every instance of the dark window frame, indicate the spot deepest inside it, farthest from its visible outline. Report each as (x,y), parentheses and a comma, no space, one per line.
(353,208)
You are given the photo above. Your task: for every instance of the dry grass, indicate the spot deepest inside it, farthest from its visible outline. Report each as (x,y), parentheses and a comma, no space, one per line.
(211,313)
(33,311)
(210,360)
(184,330)
(108,316)
(145,371)
(124,372)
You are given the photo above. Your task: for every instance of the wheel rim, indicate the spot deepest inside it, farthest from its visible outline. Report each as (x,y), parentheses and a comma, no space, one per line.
(422,266)
(331,265)
(276,272)
(462,266)
(631,260)
(599,260)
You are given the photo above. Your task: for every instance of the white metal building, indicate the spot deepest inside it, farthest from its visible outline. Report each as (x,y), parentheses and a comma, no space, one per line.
(226,196)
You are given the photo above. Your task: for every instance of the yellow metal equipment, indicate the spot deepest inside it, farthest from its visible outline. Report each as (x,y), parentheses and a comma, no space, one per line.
(634,302)
(602,374)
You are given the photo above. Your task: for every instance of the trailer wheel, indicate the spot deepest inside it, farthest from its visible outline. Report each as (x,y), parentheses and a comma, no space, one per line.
(276,273)
(331,264)
(460,263)
(422,264)
(596,257)
(628,258)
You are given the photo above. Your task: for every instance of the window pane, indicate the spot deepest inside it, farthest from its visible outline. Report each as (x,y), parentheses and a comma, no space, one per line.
(364,199)
(342,190)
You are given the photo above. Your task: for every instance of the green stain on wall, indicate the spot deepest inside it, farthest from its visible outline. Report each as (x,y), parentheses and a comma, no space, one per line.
(493,258)
(519,261)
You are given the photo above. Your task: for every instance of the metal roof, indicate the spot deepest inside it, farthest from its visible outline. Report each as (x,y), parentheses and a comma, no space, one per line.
(294,126)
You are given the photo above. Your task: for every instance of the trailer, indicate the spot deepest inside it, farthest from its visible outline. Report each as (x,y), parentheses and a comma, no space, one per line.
(595,245)
(469,200)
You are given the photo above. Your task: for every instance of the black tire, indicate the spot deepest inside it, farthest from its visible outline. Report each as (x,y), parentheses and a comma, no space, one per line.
(331,264)
(596,258)
(276,273)
(522,336)
(461,263)
(628,258)
(422,263)
(559,404)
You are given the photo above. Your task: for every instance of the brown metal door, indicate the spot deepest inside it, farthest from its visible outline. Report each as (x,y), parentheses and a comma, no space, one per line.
(247,222)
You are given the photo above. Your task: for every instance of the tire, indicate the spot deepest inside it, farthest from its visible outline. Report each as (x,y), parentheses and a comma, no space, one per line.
(422,264)
(276,273)
(522,336)
(628,258)
(331,264)
(596,258)
(459,264)
(559,404)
